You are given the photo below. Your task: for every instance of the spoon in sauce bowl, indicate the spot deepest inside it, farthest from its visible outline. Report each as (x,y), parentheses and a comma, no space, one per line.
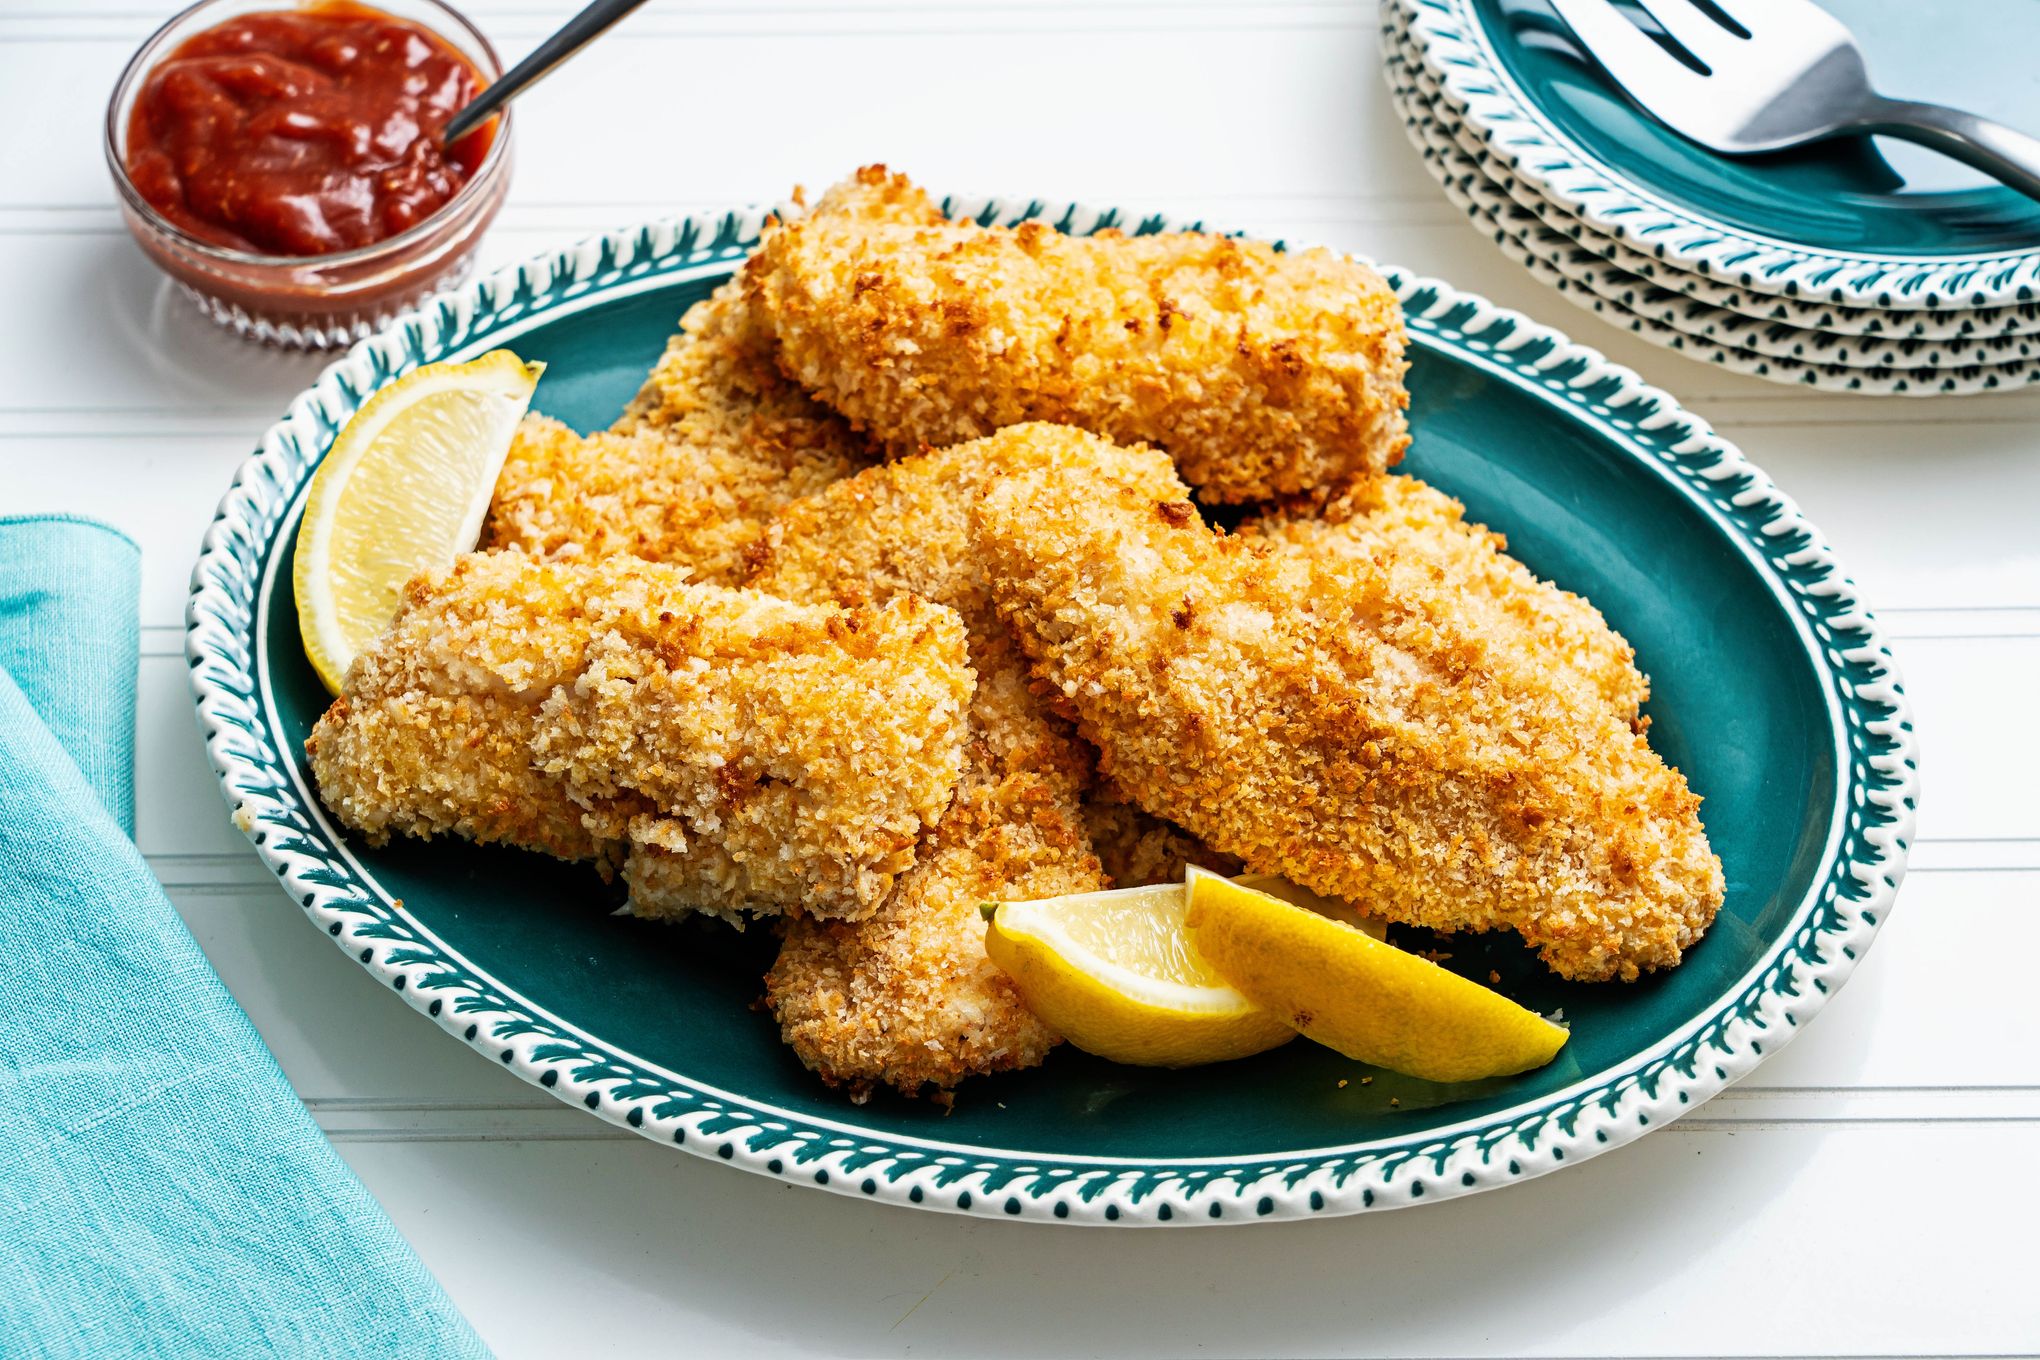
(575,34)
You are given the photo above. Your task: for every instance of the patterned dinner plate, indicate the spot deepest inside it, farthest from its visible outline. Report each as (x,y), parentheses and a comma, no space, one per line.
(1867,224)
(1503,225)
(1628,270)
(1786,354)
(1771,690)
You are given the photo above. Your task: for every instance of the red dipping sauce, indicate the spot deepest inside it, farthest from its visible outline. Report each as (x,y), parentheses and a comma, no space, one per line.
(303,132)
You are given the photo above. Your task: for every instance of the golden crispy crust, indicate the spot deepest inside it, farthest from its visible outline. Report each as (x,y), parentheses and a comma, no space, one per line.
(1135,848)
(1419,536)
(909,998)
(1262,373)
(874,194)
(719,386)
(906,528)
(1309,719)
(788,755)
(806,747)
(715,442)
(433,731)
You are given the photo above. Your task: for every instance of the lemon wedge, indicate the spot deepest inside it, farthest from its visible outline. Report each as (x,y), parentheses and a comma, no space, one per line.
(403,490)
(1358,994)
(1113,972)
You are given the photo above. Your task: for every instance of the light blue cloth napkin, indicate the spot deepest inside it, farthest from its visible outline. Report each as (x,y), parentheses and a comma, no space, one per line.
(68,612)
(162,1190)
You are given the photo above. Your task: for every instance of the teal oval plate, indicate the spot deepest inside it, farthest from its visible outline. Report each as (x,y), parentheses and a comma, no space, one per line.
(1871,223)
(1772,692)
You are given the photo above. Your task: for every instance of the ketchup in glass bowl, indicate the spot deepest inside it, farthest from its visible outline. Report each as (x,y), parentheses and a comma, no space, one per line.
(284,163)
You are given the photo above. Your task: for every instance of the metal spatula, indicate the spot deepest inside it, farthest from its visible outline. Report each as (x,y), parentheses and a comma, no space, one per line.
(1786,73)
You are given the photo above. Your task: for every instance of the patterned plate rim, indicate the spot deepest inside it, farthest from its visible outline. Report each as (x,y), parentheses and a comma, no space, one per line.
(1399,46)
(1455,47)
(1831,927)
(1531,244)
(1952,380)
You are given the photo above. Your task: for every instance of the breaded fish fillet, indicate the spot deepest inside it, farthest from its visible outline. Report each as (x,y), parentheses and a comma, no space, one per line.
(1263,374)
(434,730)
(790,755)
(807,746)
(905,528)
(714,443)
(1420,537)
(909,998)
(1312,720)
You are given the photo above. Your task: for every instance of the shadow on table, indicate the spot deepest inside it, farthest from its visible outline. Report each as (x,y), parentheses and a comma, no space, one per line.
(1516,1269)
(151,331)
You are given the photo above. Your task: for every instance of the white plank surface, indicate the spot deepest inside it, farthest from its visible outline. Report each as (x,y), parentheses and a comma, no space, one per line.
(1709,1238)
(1868,1192)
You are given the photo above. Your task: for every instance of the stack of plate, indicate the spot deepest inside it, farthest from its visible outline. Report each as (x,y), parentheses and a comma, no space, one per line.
(1852,266)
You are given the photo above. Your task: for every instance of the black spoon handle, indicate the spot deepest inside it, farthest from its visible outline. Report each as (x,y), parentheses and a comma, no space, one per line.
(575,34)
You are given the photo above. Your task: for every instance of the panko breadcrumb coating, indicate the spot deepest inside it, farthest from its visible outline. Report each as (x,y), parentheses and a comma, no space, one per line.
(875,194)
(1262,373)
(789,756)
(588,496)
(905,527)
(909,998)
(1421,538)
(1136,849)
(719,385)
(1359,741)
(433,731)
(805,746)
(715,442)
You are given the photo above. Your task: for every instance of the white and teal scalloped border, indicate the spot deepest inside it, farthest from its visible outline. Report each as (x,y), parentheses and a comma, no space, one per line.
(1729,340)
(1456,48)
(1831,929)
(1627,270)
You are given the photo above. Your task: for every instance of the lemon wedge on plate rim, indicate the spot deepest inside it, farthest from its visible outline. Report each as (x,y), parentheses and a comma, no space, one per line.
(1358,994)
(1114,973)
(404,489)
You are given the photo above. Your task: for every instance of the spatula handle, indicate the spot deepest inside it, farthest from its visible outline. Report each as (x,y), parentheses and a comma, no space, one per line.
(2002,153)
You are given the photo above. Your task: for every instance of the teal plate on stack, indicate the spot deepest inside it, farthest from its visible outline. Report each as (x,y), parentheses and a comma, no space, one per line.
(1771,690)
(1854,265)
(1577,264)
(1879,225)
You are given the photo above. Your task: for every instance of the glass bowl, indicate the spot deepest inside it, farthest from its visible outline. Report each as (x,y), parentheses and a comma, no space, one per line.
(314,301)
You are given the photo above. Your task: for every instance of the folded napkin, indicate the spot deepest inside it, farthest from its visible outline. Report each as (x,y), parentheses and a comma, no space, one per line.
(67,636)
(162,1190)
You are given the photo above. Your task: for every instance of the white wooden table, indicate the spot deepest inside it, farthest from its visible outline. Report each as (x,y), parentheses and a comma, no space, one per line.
(1871,1191)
